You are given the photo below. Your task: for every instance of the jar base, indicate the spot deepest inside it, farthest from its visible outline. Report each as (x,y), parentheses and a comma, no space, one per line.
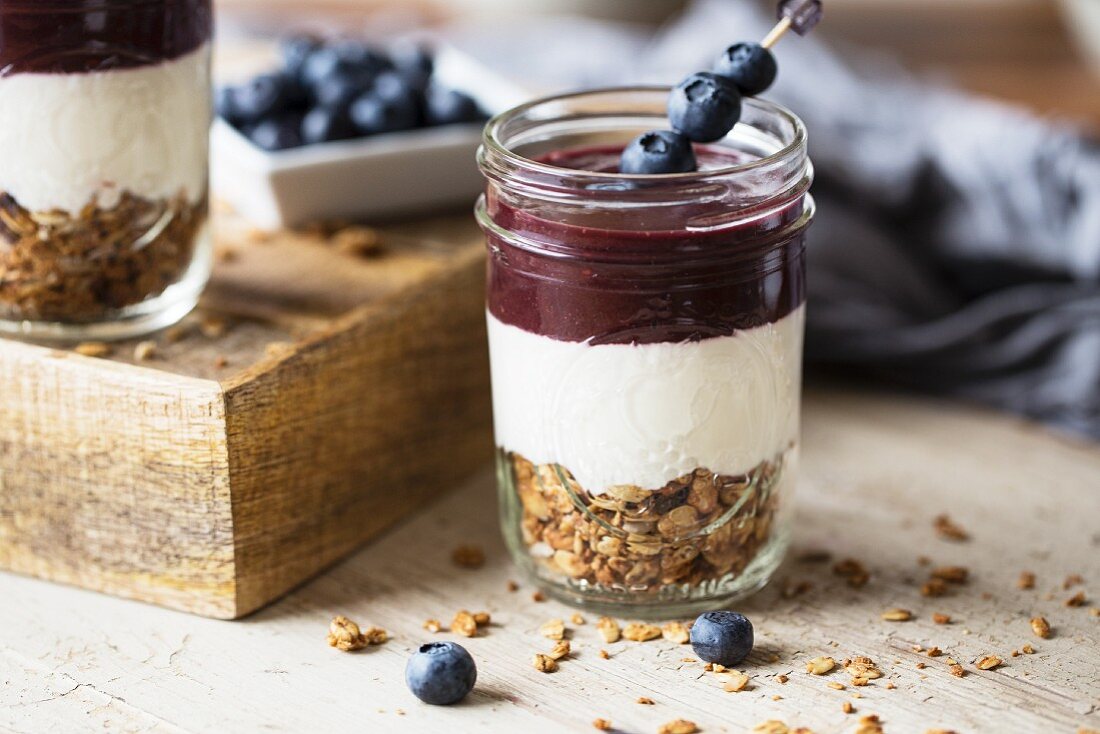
(597,551)
(606,602)
(131,322)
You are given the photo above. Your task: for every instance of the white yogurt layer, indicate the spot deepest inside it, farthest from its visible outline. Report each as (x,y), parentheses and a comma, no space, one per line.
(646,414)
(68,138)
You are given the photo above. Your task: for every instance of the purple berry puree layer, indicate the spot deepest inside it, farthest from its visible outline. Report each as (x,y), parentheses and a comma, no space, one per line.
(636,279)
(77,36)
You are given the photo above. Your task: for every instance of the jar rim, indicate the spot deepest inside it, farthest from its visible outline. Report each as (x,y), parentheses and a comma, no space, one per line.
(492,142)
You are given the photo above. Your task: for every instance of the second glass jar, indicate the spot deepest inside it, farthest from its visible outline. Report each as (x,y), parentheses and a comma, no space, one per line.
(104,120)
(645,338)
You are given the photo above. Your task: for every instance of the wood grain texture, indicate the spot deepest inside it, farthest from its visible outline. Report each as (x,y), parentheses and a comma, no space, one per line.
(115,477)
(343,393)
(394,397)
(877,469)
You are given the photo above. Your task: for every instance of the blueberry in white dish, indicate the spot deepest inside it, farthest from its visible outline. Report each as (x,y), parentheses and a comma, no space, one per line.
(392,85)
(341,89)
(319,64)
(374,114)
(450,106)
(260,97)
(294,50)
(327,62)
(725,638)
(278,133)
(413,62)
(441,673)
(325,124)
(750,66)
(658,151)
(361,56)
(704,107)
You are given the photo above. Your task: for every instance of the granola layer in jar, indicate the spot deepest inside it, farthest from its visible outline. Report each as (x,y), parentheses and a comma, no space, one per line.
(645,337)
(104,119)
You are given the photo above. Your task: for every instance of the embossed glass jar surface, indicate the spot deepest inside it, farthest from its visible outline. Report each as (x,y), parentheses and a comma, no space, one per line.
(104,120)
(645,338)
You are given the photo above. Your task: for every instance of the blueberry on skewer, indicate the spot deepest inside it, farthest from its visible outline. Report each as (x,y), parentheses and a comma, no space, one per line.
(658,151)
(704,107)
(750,66)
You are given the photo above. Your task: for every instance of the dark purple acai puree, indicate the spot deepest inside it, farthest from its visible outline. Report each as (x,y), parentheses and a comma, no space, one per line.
(76,36)
(642,276)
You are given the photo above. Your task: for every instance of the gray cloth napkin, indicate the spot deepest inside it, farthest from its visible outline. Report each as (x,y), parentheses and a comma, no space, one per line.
(957,243)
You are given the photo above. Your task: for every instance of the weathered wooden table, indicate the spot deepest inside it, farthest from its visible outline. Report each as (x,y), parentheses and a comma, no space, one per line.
(878,470)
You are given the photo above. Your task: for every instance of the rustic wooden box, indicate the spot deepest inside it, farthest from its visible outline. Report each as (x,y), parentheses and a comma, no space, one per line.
(345,393)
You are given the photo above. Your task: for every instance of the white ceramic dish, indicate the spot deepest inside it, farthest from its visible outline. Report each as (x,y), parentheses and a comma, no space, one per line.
(376,177)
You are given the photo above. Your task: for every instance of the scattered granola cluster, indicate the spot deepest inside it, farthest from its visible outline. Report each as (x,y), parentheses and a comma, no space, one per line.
(94,349)
(870,724)
(468,556)
(696,529)
(774,726)
(948,529)
(988,662)
(733,681)
(57,267)
(464,623)
(853,571)
(862,669)
(942,578)
(609,629)
(897,615)
(676,632)
(678,726)
(341,235)
(553,629)
(641,632)
(343,634)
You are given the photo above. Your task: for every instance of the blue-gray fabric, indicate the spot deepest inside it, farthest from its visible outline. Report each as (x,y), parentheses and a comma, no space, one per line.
(957,242)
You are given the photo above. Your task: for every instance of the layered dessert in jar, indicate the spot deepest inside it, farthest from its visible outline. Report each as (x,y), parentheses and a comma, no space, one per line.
(645,337)
(104,119)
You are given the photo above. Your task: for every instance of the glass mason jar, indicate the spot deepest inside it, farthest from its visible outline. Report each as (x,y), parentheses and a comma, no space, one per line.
(645,337)
(104,121)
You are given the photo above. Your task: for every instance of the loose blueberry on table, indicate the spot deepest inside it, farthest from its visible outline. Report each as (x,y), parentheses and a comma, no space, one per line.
(341,89)
(441,673)
(725,638)
(705,106)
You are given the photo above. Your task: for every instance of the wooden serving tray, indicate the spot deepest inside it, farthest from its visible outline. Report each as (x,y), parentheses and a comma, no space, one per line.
(344,393)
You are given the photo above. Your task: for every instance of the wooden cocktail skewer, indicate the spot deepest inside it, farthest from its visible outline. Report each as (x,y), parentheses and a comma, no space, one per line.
(777,32)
